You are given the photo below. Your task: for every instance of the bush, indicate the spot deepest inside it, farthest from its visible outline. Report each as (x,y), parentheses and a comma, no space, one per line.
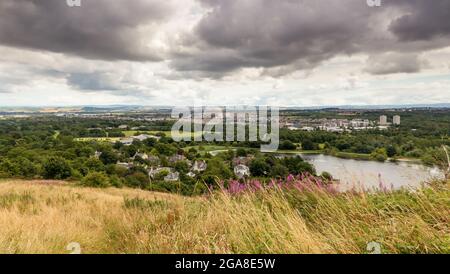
(288,145)
(259,168)
(296,165)
(327,176)
(379,155)
(96,179)
(108,157)
(137,179)
(56,168)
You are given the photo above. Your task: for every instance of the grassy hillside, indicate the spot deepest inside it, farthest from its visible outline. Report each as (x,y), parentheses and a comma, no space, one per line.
(44,217)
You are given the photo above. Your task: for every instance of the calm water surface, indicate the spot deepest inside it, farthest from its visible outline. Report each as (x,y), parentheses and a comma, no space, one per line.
(369,174)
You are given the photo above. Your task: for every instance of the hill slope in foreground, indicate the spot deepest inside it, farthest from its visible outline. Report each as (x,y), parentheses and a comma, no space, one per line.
(44,217)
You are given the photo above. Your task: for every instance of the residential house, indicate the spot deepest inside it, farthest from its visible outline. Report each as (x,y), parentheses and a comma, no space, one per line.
(127,141)
(125,165)
(143,156)
(155,171)
(191,174)
(242,160)
(143,137)
(97,154)
(242,171)
(172,177)
(199,166)
(176,158)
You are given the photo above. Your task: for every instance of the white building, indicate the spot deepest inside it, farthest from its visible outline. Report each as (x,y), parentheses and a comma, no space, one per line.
(358,123)
(127,141)
(241,171)
(144,137)
(172,177)
(383,120)
(155,171)
(199,166)
(396,120)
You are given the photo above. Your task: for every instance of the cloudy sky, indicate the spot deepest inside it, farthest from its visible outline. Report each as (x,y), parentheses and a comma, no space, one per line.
(224,52)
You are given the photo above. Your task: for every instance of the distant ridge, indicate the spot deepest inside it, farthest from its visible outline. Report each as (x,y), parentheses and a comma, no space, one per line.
(409,106)
(119,108)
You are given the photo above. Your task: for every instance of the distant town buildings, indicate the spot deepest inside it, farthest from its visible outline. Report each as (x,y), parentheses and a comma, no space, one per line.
(383,120)
(396,120)
(338,125)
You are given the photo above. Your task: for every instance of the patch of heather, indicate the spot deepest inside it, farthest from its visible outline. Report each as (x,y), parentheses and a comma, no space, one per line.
(302,182)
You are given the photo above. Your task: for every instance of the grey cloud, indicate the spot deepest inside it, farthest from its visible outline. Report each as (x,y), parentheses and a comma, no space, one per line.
(264,33)
(287,35)
(390,63)
(113,82)
(99,29)
(424,20)
(92,81)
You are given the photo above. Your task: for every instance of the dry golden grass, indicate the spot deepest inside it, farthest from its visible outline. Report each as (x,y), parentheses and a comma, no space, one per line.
(44,217)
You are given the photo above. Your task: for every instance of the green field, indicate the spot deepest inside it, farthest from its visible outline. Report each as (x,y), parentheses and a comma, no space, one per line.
(129,133)
(98,139)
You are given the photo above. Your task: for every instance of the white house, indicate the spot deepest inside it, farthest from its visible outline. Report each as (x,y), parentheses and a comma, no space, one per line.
(143,156)
(172,177)
(143,137)
(155,171)
(125,165)
(199,166)
(127,141)
(241,171)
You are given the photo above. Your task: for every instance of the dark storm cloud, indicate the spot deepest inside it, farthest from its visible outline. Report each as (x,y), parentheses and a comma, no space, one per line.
(274,33)
(425,20)
(288,35)
(279,36)
(99,29)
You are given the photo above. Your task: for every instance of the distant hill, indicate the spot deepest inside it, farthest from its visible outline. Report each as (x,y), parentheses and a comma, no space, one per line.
(128,108)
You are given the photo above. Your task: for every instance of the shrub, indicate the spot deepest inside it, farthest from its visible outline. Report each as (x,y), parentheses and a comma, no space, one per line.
(56,168)
(288,145)
(379,155)
(96,179)
(108,157)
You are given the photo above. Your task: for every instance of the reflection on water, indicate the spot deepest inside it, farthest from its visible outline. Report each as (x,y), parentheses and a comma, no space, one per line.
(370,174)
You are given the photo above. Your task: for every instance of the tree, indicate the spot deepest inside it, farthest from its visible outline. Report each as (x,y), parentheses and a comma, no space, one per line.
(309,145)
(108,157)
(165,149)
(279,170)
(296,165)
(241,152)
(137,179)
(182,167)
(150,142)
(56,168)
(391,151)
(379,154)
(96,179)
(288,145)
(259,168)
(217,168)
(93,164)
